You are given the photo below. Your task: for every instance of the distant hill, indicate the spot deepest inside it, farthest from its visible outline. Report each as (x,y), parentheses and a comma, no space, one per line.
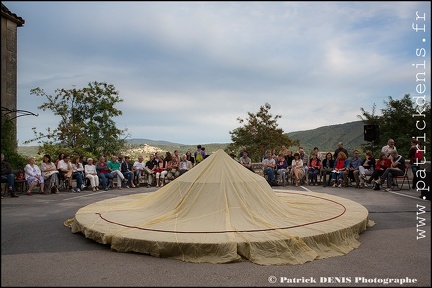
(325,138)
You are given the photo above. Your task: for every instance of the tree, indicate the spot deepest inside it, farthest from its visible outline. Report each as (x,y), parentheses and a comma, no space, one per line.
(398,122)
(8,143)
(259,133)
(86,125)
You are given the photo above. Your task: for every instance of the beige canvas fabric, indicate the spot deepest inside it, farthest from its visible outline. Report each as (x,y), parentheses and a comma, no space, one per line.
(221,212)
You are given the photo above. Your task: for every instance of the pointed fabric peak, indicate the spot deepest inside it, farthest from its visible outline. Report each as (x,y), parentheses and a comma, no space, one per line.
(221,212)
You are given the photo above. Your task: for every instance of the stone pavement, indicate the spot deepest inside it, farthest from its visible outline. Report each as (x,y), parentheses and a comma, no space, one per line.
(38,250)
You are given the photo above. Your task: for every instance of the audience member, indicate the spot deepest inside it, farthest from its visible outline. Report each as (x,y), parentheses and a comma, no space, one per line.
(397,168)
(389,147)
(314,167)
(414,160)
(65,171)
(138,169)
(305,158)
(150,168)
(281,169)
(199,151)
(91,174)
(33,175)
(190,157)
(366,168)
(339,149)
(59,157)
(114,168)
(339,169)
(318,154)
(175,163)
(246,161)
(352,171)
(327,168)
(8,176)
(297,170)
(78,173)
(50,174)
(126,169)
(160,170)
(269,165)
(104,173)
(381,165)
(185,165)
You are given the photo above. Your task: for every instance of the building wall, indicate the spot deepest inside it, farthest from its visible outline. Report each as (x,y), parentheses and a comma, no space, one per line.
(9,63)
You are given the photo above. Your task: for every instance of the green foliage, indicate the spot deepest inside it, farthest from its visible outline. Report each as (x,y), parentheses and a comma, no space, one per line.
(86,125)
(398,122)
(9,144)
(259,133)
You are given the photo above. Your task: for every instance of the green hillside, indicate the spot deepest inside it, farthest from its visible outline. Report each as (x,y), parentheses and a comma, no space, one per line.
(327,137)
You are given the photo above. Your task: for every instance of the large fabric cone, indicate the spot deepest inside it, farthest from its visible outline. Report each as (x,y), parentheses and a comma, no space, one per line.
(221,212)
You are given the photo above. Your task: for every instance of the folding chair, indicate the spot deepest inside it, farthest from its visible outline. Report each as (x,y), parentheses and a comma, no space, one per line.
(403,177)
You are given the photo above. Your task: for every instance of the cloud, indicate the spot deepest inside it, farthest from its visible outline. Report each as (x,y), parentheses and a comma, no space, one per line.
(316,63)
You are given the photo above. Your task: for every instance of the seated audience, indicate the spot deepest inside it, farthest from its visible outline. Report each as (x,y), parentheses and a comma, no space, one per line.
(281,169)
(138,169)
(397,168)
(160,170)
(269,165)
(352,171)
(78,173)
(91,174)
(50,174)
(327,168)
(104,173)
(297,170)
(7,176)
(381,165)
(367,168)
(314,167)
(65,171)
(246,161)
(33,175)
(126,168)
(114,168)
(185,165)
(338,171)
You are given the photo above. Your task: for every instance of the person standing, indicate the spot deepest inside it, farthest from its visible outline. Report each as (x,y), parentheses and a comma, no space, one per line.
(340,149)
(389,147)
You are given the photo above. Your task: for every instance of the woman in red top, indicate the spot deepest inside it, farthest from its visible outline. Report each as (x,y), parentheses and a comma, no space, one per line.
(381,165)
(337,173)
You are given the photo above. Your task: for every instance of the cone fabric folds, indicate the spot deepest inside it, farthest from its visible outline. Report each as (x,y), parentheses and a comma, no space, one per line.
(220,212)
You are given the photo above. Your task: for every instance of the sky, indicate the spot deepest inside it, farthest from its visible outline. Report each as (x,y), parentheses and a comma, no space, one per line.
(187,70)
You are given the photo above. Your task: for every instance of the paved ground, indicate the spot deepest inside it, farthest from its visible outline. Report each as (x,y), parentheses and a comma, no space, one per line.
(38,250)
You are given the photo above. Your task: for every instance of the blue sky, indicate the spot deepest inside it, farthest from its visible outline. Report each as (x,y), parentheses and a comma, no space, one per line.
(315,63)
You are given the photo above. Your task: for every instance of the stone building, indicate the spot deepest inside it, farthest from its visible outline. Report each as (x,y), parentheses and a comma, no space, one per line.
(9,38)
